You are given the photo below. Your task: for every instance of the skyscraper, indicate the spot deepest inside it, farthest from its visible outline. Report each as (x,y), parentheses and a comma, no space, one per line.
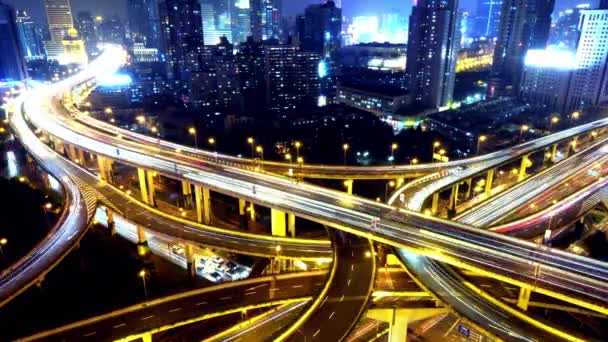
(265,19)
(524,25)
(217,20)
(241,20)
(434,38)
(12,63)
(59,16)
(322,27)
(29,36)
(144,22)
(88,30)
(589,82)
(182,33)
(487,19)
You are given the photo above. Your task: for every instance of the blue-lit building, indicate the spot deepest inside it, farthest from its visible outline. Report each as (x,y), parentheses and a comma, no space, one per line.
(217,20)
(241,21)
(487,19)
(266,19)
(29,36)
(144,22)
(12,61)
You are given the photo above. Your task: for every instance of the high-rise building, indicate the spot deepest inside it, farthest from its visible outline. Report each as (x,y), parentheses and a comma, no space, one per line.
(29,36)
(433,42)
(565,32)
(59,16)
(217,20)
(144,22)
(265,19)
(250,74)
(524,25)
(241,21)
(182,33)
(487,18)
(112,30)
(322,26)
(292,79)
(12,62)
(589,82)
(88,31)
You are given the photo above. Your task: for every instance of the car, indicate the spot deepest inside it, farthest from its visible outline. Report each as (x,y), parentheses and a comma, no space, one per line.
(213,276)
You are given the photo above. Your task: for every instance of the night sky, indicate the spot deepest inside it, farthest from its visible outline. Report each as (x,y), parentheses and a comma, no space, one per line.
(291,7)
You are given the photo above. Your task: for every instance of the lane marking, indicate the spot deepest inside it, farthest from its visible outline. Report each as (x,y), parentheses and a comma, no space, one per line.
(250,293)
(147,317)
(316,333)
(90,334)
(119,325)
(225,298)
(173,310)
(332,315)
(201,303)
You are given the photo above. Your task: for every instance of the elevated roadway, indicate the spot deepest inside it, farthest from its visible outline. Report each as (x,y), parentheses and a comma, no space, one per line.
(555,273)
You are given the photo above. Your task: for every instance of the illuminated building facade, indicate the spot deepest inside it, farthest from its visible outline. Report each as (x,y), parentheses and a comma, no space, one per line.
(88,31)
(292,78)
(433,41)
(241,21)
(217,20)
(546,76)
(265,19)
(182,33)
(59,17)
(12,63)
(565,32)
(144,22)
(29,36)
(524,25)
(487,18)
(73,47)
(381,103)
(476,58)
(142,54)
(589,84)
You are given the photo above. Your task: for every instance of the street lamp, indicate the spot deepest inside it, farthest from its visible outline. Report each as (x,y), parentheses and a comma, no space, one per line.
(297,144)
(522,129)
(3,242)
(414,161)
(554,120)
(301,162)
(575,116)
(192,132)
(345,148)
(392,185)
(142,274)
(141,119)
(108,110)
(394,146)
(288,157)
(260,150)
(482,138)
(251,142)
(436,144)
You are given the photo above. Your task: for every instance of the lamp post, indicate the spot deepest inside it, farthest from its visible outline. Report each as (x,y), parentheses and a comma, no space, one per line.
(394,146)
(192,132)
(414,161)
(142,274)
(251,142)
(211,142)
(436,145)
(288,157)
(3,242)
(260,150)
(345,148)
(392,185)
(301,162)
(522,130)
(481,139)
(574,117)
(297,144)
(554,120)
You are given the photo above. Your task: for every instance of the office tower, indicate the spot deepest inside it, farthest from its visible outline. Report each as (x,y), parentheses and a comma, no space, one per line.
(59,16)
(589,82)
(565,32)
(524,25)
(182,33)
(12,63)
(292,80)
(241,21)
(88,31)
(431,52)
(112,30)
(265,19)
(29,36)
(217,20)
(73,47)
(487,18)
(322,26)
(250,65)
(546,77)
(144,22)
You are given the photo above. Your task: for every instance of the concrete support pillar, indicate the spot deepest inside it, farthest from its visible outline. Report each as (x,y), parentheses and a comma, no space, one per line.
(278,222)
(524,298)
(108,168)
(190,262)
(187,192)
(469,183)
(59,148)
(101,164)
(72,153)
(151,191)
(454,197)
(489,181)
(81,158)
(146,337)
(572,146)
(525,164)
(143,188)
(435,203)
(349,186)
(110,221)
(398,319)
(142,241)
(291,225)
(203,204)
(251,212)
(553,153)
(243,213)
